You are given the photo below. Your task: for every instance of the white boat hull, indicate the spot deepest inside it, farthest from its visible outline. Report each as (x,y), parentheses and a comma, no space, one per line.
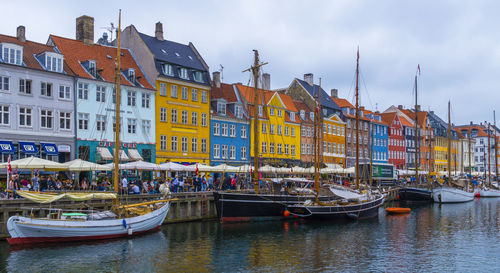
(34,230)
(489,193)
(451,195)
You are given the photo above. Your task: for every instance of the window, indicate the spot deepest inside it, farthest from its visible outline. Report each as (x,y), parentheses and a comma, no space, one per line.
(194,118)
(260,111)
(83,121)
(184,93)
(311,115)
(24,116)
(163,142)
(173,143)
(264,148)
(65,120)
(64,92)
(184,144)
(203,119)
(100,122)
(167,69)
(203,145)
(216,151)
(184,117)
(243,153)
(280,151)
(163,89)
(271,147)
(183,73)
(83,91)
(46,119)
(279,131)
(132,125)
(146,127)
(303,131)
(302,114)
(264,128)
(293,131)
(194,145)
(292,116)
(287,129)
(204,96)
(146,100)
(224,129)
(46,89)
(271,111)
(4,83)
(173,91)
(163,114)
(194,94)
(24,86)
(216,129)
(232,130)
(221,108)
(271,129)
(232,152)
(303,148)
(12,54)
(197,76)
(224,151)
(293,149)
(173,116)
(280,113)
(238,112)
(92,68)
(131,98)
(131,75)
(243,132)
(4,115)
(100,95)
(308,148)
(308,131)
(287,148)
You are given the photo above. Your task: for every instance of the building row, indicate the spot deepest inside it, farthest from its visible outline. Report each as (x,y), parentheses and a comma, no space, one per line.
(57,101)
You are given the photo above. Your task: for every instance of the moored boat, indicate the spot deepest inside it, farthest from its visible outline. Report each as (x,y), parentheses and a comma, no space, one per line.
(451,195)
(397,210)
(488,192)
(415,194)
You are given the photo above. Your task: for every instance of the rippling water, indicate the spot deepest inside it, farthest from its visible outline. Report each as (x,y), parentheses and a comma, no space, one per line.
(438,238)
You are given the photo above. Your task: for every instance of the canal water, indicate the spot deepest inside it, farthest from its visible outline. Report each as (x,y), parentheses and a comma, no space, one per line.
(437,238)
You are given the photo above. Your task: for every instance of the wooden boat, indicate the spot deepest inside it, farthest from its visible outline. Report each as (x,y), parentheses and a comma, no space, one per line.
(397,210)
(415,194)
(488,192)
(89,225)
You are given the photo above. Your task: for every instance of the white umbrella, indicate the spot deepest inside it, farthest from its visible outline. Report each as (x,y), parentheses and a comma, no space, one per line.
(283,170)
(225,168)
(139,165)
(350,170)
(82,165)
(35,163)
(298,170)
(173,167)
(267,169)
(245,168)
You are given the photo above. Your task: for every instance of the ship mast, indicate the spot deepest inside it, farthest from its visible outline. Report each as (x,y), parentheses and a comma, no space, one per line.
(317,142)
(116,160)
(449,145)
(417,151)
(357,121)
(470,156)
(489,156)
(496,145)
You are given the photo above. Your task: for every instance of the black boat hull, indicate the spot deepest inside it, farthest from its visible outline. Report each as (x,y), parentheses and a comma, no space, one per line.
(244,207)
(340,212)
(415,195)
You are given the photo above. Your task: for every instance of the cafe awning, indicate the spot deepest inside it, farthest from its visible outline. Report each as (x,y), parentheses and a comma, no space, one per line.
(104,153)
(134,154)
(29,148)
(6,147)
(50,148)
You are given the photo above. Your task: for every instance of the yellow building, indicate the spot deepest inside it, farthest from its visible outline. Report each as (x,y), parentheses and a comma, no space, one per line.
(440,154)
(334,140)
(279,127)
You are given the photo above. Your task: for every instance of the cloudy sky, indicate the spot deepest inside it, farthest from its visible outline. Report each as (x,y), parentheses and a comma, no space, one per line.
(455,43)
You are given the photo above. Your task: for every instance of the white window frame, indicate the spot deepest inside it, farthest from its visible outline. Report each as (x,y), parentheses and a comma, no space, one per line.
(232,130)
(5,83)
(83,121)
(83,91)
(216,129)
(184,93)
(27,112)
(184,117)
(65,120)
(163,114)
(131,98)
(25,86)
(48,116)
(163,142)
(146,100)
(204,119)
(4,114)
(194,144)
(194,118)
(100,122)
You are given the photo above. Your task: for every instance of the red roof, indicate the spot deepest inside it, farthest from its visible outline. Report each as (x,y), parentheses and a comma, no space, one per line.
(342,102)
(406,122)
(225,91)
(388,117)
(302,106)
(76,52)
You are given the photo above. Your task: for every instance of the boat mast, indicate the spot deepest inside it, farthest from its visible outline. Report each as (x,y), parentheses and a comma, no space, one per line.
(370,169)
(417,151)
(317,141)
(489,156)
(116,160)
(496,144)
(470,156)
(357,121)
(449,145)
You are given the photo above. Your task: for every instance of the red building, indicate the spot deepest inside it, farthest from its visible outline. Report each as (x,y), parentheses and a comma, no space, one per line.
(396,140)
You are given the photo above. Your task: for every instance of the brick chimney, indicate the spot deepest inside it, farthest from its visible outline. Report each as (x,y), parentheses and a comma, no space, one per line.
(85,29)
(216,78)
(400,107)
(334,93)
(266,81)
(309,78)
(159,31)
(21,34)
(418,107)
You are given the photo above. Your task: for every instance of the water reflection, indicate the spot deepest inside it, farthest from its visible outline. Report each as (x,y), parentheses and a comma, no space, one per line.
(447,237)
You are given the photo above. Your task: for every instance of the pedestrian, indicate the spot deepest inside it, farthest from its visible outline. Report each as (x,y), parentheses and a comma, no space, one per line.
(203,183)
(210,183)
(175,183)
(36,183)
(124,185)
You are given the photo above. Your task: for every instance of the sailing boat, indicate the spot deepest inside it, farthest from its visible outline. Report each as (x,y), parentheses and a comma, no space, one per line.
(414,193)
(489,191)
(258,206)
(61,226)
(352,205)
(449,194)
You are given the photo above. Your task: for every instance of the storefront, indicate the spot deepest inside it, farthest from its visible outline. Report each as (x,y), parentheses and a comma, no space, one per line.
(46,150)
(102,151)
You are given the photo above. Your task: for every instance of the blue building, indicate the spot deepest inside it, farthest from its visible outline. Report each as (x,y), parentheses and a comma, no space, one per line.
(229,126)
(379,131)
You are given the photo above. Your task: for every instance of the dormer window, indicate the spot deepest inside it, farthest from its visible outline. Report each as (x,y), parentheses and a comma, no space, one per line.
(311,115)
(260,111)
(292,116)
(131,75)
(168,70)
(238,111)
(302,114)
(183,73)
(325,112)
(53,61)
(197,76)
(221,108)
(93,68)
(12,53)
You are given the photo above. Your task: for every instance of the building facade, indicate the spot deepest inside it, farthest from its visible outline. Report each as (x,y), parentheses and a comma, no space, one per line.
(396,140)
(306,134)
(334,140)
(36,101)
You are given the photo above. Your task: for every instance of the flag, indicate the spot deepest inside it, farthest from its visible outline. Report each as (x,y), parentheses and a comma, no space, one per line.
(37,172)
(418,69)
(196,172)
(9,167)
(291,170)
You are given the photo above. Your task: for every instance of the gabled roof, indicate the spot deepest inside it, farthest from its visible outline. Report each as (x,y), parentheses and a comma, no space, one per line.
(314,90)
(388,117)
(481,130)
(406,122)
(249,95)
(225,91)
(76,52)
(30,49)
(287,100)
(343,103)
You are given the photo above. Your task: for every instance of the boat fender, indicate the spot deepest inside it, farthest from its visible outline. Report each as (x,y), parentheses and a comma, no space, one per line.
(130,231)
(124,223)
(286,213)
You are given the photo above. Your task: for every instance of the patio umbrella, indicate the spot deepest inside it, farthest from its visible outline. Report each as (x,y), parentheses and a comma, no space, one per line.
(173,167)
(82,165)
(35,163)
(139,165)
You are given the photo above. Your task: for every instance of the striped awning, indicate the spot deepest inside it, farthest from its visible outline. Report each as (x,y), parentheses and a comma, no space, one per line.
(134,155)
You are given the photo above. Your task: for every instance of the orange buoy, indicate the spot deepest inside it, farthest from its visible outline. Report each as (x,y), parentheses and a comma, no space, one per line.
(397,210)
(286,213)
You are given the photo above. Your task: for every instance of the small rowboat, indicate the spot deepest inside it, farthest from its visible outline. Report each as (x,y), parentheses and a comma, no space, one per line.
(397,210)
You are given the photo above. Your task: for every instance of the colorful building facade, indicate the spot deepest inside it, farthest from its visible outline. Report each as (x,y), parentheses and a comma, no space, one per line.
(334,140)
(396,140)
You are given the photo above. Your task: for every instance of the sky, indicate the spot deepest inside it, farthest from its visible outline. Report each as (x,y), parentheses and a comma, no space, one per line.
(456,43)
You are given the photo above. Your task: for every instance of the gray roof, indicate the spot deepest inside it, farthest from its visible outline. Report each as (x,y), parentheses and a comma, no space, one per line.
(326,101)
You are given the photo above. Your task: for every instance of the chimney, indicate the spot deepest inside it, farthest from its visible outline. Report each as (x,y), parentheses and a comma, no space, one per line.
(21,31)
(418,107)
(334,93)
(159,31)
(266,81)
(400,107)
(362,108)
(309,78)
(216,78)
(85,29)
